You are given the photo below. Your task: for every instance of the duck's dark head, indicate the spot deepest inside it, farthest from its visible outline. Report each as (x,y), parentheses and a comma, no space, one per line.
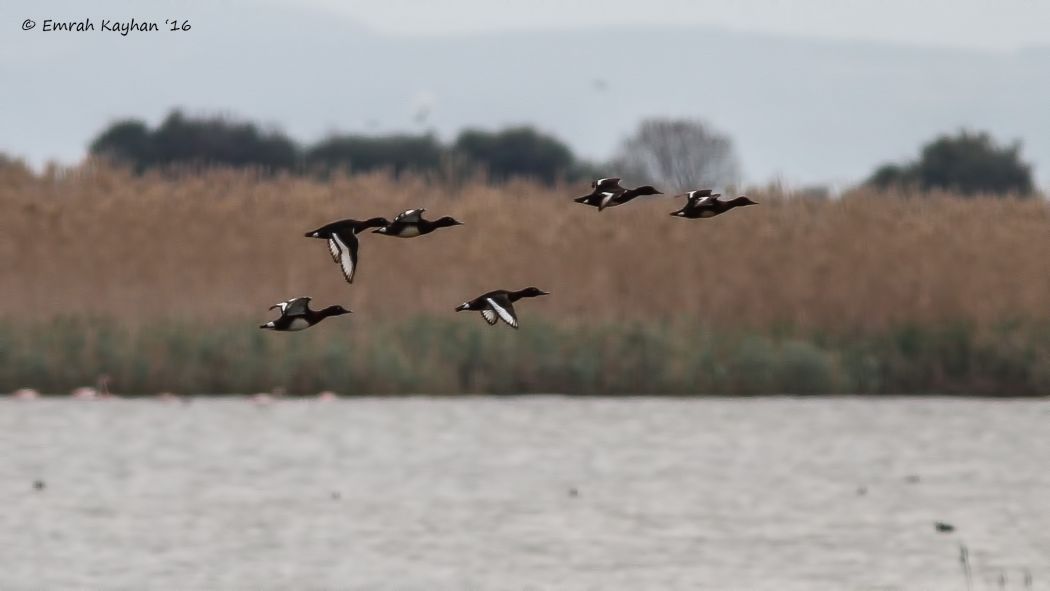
(334,311)
(447,221)
(742,201)
(647,190)
(531,292)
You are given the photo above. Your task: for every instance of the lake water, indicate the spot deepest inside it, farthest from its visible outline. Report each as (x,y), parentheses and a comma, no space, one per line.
(524,493)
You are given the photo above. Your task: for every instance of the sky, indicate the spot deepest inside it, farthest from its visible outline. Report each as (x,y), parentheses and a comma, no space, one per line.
(1000,25)
(811,91)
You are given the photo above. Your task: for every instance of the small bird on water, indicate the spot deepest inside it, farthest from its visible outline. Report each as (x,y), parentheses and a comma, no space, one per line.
(498,304)
(297,315)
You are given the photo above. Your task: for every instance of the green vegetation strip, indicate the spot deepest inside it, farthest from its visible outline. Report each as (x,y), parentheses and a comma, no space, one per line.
(451,356)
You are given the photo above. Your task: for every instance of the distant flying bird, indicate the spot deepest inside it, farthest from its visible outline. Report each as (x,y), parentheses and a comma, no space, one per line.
(297,315)
(944,528)
(704,204)
(410,223)
(422,106)
(342,241)
(498,304)
(608,192)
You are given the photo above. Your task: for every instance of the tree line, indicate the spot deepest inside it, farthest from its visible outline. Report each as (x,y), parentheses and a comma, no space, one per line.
(180,140)
(674,154)
(971,163)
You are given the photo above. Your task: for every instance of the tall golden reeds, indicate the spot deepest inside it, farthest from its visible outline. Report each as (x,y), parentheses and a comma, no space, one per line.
(220,246)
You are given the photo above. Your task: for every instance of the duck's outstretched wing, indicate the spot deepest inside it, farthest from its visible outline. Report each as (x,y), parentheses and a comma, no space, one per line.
(293,307)
(410,215)
(701,199)
(500,304)
(695,196)
(344,252)
(608,198)
(607,184)
(333,249)
(594,199)
(489,316)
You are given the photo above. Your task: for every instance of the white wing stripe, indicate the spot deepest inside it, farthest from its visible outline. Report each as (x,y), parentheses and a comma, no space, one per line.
(344,258)
(504,314)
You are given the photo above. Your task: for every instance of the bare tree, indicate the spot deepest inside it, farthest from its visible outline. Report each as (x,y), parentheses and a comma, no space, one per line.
(679,154)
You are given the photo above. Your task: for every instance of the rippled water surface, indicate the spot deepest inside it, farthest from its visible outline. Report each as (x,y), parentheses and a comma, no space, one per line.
(524,493)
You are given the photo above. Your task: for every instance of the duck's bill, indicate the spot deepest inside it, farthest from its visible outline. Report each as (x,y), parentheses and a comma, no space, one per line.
(461,307)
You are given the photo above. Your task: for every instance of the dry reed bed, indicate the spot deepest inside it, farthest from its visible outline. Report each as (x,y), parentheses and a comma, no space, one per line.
(227,244)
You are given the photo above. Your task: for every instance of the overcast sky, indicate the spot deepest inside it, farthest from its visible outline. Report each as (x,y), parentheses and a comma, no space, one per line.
(811,91)
(982,24)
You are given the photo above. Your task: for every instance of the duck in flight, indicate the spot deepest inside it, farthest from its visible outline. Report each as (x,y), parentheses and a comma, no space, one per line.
(297,315)
(342,241)
(499,304)
(702,203)
(410,223)
(608,192)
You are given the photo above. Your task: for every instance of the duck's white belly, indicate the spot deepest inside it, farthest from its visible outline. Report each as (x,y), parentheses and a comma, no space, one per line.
(409,232)
(298,324)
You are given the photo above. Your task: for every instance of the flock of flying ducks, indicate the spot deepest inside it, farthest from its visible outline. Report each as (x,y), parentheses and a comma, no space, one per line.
(496,305)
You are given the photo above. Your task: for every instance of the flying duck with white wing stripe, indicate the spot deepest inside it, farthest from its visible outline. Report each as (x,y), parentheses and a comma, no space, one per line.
(702,203)
(499,304)
(608,192)
(297,315)
(342,241)
(410,223)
